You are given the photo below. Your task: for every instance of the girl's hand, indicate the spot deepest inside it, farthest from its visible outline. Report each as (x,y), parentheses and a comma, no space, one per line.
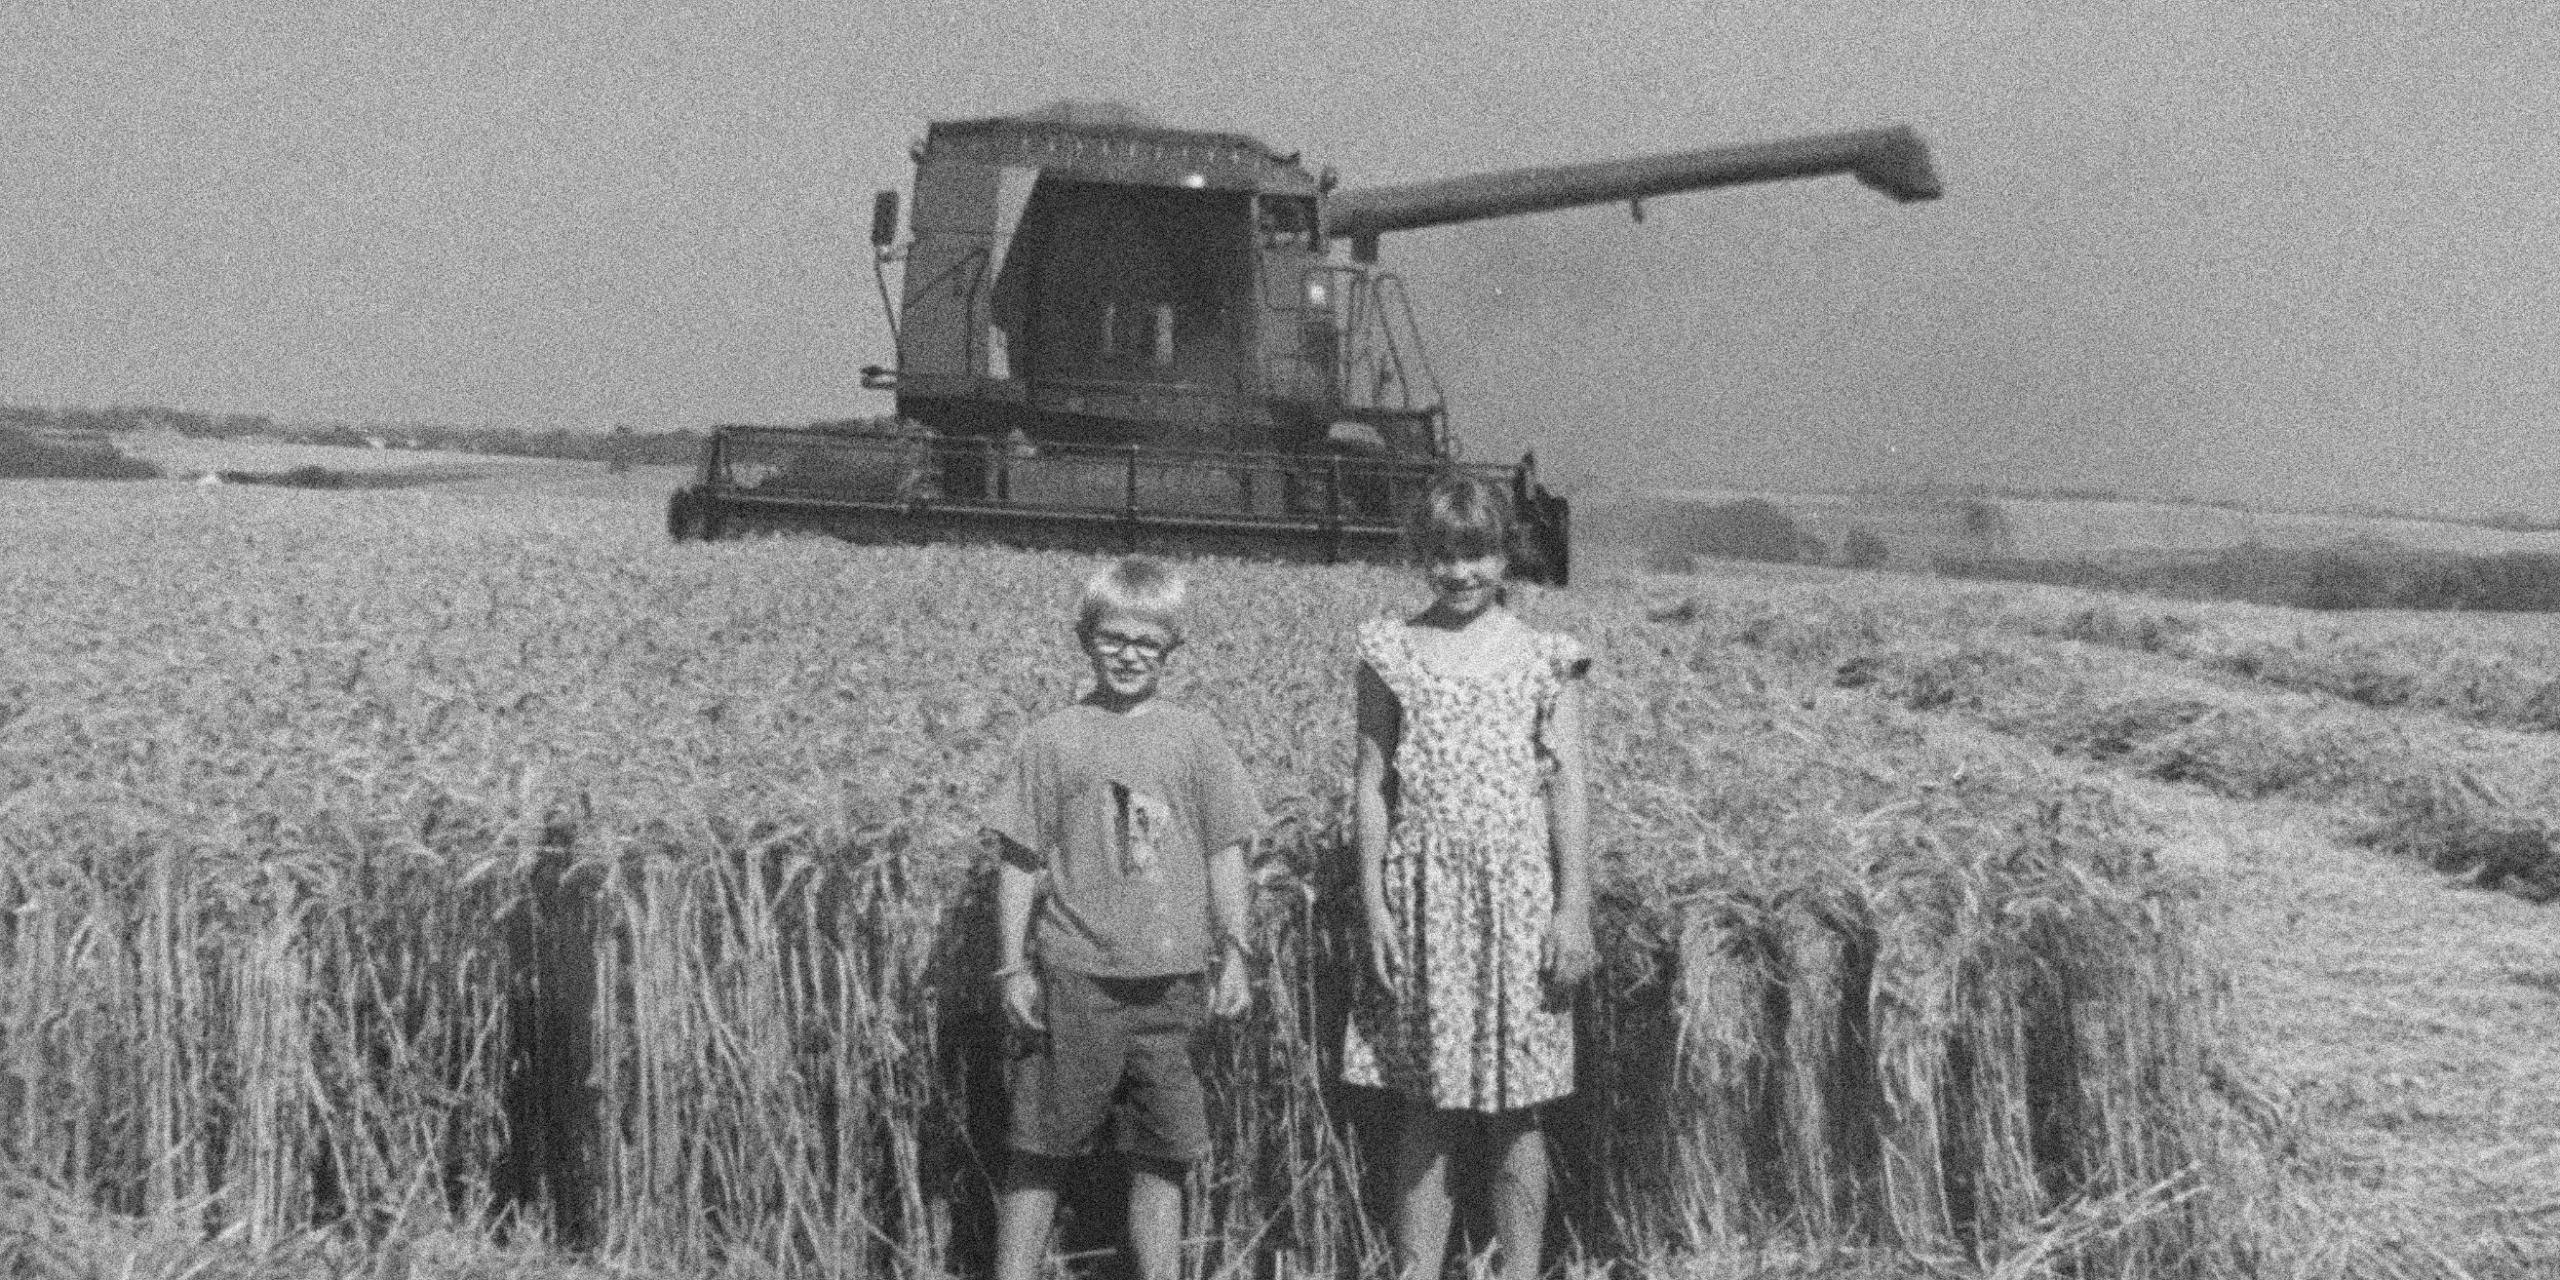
(1231,996)
(1022,1001)
(1382,954)
(1568,957)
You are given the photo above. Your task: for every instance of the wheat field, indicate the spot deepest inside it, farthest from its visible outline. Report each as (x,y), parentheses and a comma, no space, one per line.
(465,881)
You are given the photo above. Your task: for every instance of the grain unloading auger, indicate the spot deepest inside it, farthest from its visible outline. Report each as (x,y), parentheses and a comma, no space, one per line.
(1114,335)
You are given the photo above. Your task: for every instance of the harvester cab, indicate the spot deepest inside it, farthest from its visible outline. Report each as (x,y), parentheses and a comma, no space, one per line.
(1117,335)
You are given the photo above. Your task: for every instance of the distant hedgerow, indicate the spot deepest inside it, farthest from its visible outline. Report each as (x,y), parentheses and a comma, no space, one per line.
(1863,548)
(1747,530)
(27,456)
(2328,578)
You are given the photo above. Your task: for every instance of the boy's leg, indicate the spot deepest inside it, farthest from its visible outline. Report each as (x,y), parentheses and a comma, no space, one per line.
(1060,1083)
(1519,1191)
(1023,1213)
(1162,1122)
(1422,1189)
(1155,1218)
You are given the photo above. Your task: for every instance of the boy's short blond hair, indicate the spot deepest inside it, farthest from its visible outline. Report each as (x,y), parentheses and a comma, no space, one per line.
(1136,587)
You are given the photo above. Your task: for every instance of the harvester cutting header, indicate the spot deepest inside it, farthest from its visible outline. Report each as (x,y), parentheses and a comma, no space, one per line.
(1114,335)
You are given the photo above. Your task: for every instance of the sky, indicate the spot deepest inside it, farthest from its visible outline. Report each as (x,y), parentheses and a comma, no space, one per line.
(2299,253)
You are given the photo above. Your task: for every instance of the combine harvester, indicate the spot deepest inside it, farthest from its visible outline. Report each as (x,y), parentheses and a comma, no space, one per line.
(1117,336)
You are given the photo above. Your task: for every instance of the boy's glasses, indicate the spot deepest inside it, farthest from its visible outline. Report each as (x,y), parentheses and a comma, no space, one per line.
(1118,645)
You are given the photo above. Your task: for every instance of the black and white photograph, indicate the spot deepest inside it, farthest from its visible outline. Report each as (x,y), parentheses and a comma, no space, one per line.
(1735,640)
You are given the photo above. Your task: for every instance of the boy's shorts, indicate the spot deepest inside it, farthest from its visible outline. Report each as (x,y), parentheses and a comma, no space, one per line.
(1117,1053)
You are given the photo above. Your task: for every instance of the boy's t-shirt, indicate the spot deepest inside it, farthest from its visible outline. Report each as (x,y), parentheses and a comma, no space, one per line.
(1122,811)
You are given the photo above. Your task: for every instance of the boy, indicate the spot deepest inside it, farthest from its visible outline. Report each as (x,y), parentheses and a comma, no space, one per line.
(1121,822)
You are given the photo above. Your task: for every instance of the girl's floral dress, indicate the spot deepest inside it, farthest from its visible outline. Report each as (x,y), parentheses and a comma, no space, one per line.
(1470,884)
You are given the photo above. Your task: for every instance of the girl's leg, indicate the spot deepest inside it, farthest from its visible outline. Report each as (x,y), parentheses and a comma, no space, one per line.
(1155,1218)
(1422,1191)
(1023,1214)
(1519,1191)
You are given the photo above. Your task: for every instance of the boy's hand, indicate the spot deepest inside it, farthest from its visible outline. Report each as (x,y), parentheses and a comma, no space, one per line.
(1568,957)
(1022,1001)
(1230,996)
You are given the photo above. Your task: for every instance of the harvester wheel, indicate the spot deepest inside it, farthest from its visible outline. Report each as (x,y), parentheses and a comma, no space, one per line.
(680,519)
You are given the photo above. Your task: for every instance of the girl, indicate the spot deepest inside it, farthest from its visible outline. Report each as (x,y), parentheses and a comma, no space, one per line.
(1469,811)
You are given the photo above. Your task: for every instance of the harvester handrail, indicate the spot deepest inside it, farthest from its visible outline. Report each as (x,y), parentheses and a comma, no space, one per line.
(1090,515)
(1169,454)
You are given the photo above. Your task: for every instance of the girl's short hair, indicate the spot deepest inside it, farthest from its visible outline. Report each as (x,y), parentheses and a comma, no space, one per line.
(1460,517)
(1137,587)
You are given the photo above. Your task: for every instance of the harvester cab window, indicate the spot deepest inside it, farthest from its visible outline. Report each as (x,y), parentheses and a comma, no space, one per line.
(1142,333)
(1119,282)
(1287,223)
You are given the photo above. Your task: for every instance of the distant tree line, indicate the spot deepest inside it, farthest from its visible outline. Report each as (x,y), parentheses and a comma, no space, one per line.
(1676,538)
(33,455)
(633,448)
(2512,521)
(1681,537)
(124,419)
(311,477)
(2037,493)
(2377,577)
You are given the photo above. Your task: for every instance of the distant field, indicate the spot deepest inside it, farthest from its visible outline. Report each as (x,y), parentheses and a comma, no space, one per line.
(1613,529)
(1919,529)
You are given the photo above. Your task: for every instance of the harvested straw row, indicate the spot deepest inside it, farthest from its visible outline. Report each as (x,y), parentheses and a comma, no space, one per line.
(2478,803)
(2511,684)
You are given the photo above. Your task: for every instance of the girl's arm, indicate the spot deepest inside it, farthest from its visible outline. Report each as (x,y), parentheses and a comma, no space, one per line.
(1375,716)
(1569,957)
(1230,915)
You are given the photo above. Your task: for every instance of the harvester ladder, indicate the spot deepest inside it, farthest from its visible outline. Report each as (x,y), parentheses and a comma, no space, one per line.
(1384,365)
(1378,333)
